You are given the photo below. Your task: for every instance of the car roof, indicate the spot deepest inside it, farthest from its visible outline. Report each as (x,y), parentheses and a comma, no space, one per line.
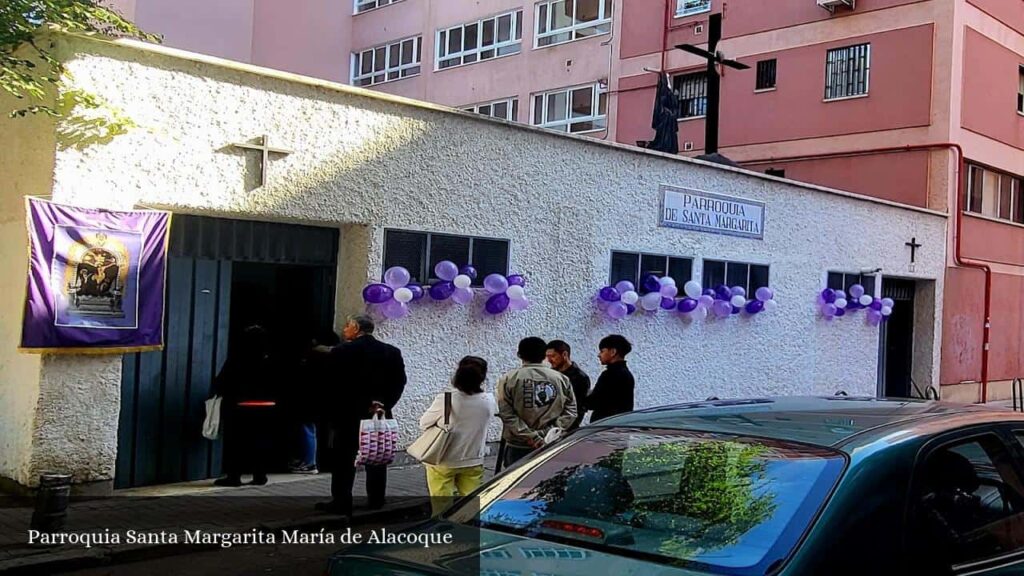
(830,421)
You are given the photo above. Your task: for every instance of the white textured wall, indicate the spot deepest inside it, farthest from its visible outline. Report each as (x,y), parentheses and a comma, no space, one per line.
(565,204)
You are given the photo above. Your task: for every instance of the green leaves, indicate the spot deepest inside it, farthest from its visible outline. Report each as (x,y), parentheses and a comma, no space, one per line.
(31,73)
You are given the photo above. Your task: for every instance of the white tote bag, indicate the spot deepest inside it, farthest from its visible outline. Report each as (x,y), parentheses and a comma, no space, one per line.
(430,447)
(211,424)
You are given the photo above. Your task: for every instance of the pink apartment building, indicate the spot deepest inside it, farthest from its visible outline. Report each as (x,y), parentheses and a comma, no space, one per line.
(835,86)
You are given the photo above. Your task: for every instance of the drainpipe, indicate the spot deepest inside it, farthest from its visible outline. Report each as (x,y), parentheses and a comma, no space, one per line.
(958,259)
(664,34)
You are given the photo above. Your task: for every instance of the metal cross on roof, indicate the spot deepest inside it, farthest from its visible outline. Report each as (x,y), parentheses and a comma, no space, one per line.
(265,149)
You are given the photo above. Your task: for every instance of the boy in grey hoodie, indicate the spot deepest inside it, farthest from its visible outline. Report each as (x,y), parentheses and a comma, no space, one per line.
(533,399)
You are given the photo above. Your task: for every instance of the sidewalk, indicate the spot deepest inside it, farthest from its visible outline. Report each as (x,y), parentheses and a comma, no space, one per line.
(286,502)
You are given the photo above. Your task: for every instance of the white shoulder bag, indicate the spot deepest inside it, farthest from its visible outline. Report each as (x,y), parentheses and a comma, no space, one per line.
(430,447)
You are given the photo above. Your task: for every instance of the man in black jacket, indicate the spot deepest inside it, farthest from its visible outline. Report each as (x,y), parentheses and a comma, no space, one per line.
(370,378)
(559,356)
(613,393)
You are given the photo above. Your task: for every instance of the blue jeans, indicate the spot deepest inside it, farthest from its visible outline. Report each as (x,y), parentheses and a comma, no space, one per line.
(307,444)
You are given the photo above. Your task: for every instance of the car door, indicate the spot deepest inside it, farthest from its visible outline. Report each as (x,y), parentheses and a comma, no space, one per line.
(966,511)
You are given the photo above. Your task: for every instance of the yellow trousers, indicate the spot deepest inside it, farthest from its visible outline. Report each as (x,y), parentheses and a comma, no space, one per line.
(444,483)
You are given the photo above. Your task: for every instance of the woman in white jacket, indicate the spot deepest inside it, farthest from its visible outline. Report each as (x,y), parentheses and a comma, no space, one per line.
(461,469)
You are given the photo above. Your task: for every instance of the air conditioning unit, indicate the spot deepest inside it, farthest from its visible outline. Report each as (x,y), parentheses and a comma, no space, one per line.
(831,5)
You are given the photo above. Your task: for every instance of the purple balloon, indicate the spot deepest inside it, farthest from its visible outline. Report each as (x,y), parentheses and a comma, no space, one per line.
(617,311)
(840,311)
(651,283)
(630,308)
(668,303)
(417,291)
(442,290)
(876,304)
(754,306)
(517,280)
(723,292)
(393,309)
(496,284)
(377,293)
(736,309)
(738,291)
(687,305)
(708,292)
(518,305)
(496,304)
(874,317)
(722,308)
(609,294)
(469,270)
(462,295)
(829,309)
(624,286)
(706,300)
(446,270)
(828,295)
(764,294)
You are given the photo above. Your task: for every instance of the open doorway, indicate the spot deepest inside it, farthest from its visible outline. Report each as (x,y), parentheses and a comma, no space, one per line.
(896,341)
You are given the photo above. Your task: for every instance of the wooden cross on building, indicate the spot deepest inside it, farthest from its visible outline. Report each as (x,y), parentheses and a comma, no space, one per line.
(265,149)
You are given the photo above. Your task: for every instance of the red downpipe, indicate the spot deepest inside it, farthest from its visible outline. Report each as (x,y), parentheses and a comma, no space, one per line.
(958,259)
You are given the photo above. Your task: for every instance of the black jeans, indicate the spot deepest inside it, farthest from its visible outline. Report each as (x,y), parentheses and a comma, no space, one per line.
(343,475)
(247,440)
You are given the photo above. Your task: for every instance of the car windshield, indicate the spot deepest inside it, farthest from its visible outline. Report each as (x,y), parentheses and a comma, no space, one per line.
(712,502)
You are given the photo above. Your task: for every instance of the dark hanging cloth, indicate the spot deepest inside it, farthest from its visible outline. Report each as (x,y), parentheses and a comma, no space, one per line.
(665,121)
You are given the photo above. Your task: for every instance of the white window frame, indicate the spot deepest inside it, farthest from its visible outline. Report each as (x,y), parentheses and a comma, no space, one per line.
(358,5)
(991,199)
(515,41)
(1020,90)
(512,106)
(388,69)
(604,7)
(843,69)
(691,7)
(599,88)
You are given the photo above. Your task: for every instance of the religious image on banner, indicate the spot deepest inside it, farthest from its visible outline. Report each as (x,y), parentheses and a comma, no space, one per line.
(96,279)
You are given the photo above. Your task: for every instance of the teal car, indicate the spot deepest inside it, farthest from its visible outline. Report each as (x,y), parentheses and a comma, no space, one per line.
(809,486)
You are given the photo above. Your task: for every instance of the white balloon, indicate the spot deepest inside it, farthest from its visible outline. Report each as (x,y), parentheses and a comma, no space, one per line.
(841,303)
(515,292)
(462,281)
(629,297)
(738,301)
(651,301)
(886,310)
(699,313)
(770,305)
(866,300)
(667,281)
(403,295)
(692,289)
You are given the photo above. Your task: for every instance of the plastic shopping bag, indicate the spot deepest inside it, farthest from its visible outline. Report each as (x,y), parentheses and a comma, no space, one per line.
(377,439)
(211,424)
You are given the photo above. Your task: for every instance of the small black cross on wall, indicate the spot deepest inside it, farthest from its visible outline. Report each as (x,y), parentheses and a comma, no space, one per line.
(913,248)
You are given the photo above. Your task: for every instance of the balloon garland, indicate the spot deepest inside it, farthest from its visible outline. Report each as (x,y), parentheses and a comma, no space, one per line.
(622,299)
(393,296)
(837,303)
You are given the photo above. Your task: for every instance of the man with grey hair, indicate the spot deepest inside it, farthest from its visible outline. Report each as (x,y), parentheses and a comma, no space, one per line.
(369,378)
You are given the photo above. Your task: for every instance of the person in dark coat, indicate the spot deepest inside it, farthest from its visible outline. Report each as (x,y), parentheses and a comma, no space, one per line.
(306,401)
(613,393)
(369,378)
(247,385)
(559,356)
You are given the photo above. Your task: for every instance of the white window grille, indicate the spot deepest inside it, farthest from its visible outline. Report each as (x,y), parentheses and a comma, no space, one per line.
(385,63)
(577,110)
(690,7)
(493,37)
(559,21)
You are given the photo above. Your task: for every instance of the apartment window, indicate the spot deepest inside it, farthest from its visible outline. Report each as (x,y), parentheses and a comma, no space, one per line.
(635,266)
(364,5)
(493,37)
(843,281)
(692,91)
(577,110)
(765,75)
(561,21)
(994,194)
(847,71)
(688,7)
(1020,90)
(386,63)
(507,109)
(749,276)
(419,252)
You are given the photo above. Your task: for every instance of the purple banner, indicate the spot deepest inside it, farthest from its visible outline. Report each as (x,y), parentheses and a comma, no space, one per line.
(96,279)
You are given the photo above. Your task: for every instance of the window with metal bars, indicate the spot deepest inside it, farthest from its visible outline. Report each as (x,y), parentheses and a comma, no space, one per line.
(765,75)
(419,252)
(749,276)
(847,71)
(385,63)
(635,266)
(692,91)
